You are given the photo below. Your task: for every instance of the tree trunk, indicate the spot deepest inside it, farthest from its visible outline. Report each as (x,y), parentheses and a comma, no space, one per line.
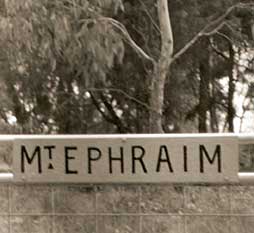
(214,125)
(231,90)
(203,100)
(204,95)
(161,69)
(157,100)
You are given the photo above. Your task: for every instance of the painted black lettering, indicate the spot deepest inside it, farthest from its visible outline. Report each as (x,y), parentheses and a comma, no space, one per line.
(93,154)
(29,160)
(49,148)
(67,149)
(163,151)
(119,159)
(217,154)
(185,159)
(141,153)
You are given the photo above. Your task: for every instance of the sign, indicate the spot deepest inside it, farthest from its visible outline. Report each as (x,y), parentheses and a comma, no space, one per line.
(126,159)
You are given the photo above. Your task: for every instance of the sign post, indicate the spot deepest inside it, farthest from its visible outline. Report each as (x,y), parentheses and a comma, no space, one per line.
(126,159)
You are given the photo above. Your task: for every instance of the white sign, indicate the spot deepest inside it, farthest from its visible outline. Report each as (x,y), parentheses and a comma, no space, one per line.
(126,159)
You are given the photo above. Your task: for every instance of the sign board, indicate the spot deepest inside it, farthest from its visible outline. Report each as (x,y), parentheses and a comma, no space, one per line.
(126,159)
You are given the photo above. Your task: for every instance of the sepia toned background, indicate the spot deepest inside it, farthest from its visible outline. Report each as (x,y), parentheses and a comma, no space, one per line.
(113,66)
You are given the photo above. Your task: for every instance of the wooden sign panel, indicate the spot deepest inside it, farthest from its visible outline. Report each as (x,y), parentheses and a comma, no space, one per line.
(126,159)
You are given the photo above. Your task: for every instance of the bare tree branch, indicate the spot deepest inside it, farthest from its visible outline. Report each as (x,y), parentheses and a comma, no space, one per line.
(117,120)
(211,28)
(113,118)
(125,34)
(215,30)
(125,94)
(98,107)
(128,96)
(220,53)
(128,39)
(225,36)
(149,15)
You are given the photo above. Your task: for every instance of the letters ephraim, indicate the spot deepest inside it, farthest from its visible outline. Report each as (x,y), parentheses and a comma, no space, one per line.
(132,160)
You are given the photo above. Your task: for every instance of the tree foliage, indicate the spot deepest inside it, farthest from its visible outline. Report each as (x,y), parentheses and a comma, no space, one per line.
(87,66)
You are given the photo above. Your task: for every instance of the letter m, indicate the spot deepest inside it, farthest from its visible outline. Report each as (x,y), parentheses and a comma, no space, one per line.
(29,159)
(217,154)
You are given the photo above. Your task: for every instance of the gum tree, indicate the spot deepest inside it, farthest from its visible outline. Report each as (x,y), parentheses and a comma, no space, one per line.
(72,46)
(168,56)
